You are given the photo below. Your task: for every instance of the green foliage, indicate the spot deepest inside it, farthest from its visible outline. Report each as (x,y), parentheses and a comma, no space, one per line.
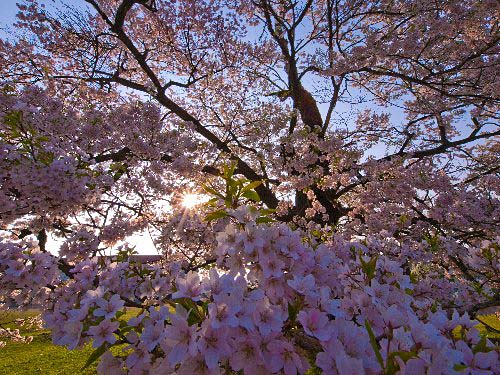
(370,267)
(374,343)
(491,252)
(219,214)
(236,191)
(196,314)
(391,366)
(235,188)
(489,326)
(314,370)
(28,141)
(117,170)
(294,309)
(124,254)
(433,243)
(459,367)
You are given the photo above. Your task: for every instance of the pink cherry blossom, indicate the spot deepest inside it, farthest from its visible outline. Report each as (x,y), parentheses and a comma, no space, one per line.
(103,333)
(281,355)
(110,365)
(70,334)
(315,323)
(108,309)
(214,345)
(152,335)
(188,287)
(179,339)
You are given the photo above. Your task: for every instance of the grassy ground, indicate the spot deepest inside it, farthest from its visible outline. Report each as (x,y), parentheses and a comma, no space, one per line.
(41,356)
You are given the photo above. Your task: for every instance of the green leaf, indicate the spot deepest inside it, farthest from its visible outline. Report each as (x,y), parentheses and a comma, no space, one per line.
(480,346)
(117,167)
(228,201)
(313,370)
(12,119)
(405,356)
(211,190)
(369,267)
(458,332)
(195,316)
(459,367)
(252,185)
(95,356)
(264,220)
(293,311)
(316,233)
(219,214)
(413,277)
(434,306)
(125,329)
(433,242)
(267,211)
(46,158)
(232,186)
(228,170)
(491,321)
(212,202)
(252,195)
(374,344)
(392,366)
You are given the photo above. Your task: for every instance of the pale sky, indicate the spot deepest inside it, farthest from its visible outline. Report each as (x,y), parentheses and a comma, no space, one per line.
(8,10)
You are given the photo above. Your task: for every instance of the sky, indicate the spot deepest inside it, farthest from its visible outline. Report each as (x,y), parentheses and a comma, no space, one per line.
(8,10)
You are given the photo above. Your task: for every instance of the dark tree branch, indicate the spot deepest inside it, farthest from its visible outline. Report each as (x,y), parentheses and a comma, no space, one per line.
(265,193)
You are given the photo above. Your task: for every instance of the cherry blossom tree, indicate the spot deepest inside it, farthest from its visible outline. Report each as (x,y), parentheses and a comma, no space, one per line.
(347,156)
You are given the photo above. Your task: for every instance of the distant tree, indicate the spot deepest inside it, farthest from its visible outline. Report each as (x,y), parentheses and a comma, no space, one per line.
(346,153)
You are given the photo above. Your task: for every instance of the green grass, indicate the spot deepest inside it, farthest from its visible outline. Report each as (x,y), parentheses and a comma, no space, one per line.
(41,356)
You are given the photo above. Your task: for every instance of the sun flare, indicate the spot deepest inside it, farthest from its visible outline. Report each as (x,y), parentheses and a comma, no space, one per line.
(191,200)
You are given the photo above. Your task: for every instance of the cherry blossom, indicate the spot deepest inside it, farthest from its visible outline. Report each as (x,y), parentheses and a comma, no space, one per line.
(347,151)
(108,309)
(103,332)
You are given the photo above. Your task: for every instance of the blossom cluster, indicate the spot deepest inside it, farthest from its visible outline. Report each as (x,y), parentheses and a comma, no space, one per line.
(275,302)
(27,273)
